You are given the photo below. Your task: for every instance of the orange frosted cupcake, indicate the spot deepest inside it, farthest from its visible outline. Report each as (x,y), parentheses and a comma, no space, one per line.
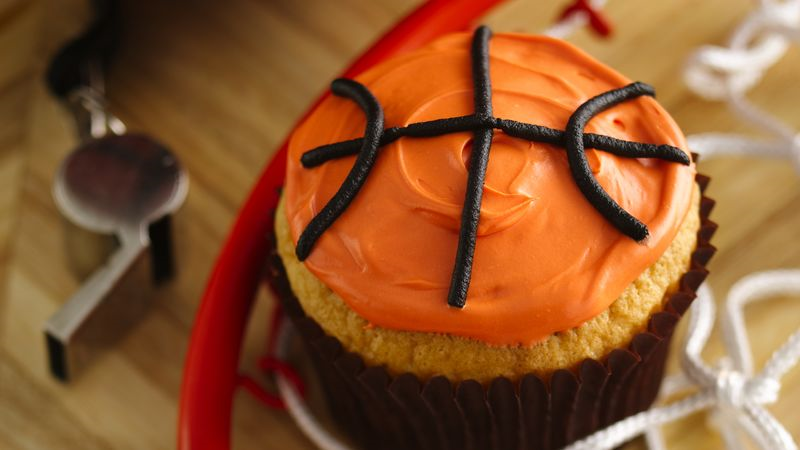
(488,242)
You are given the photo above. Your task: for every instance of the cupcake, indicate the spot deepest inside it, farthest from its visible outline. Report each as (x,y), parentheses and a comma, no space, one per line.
(486,243)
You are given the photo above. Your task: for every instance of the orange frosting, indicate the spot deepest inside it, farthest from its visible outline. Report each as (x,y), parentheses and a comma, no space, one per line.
(545,260)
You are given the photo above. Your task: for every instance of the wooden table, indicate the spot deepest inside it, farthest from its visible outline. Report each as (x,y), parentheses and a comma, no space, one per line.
(221,83)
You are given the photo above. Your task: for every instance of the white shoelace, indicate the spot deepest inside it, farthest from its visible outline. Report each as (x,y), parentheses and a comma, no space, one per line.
(727,73)
(729,390)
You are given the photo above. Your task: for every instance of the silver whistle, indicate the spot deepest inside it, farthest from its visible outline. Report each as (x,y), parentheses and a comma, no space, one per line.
(124,185)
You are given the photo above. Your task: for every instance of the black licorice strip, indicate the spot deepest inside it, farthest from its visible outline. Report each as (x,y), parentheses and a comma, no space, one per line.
(482,123)
(536,133)
(476,174)
(325,153)
(579,166)
(361,168)
(608,144)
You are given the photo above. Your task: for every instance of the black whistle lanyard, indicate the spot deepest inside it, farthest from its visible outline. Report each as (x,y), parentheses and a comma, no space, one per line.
(69,68)
(76,73)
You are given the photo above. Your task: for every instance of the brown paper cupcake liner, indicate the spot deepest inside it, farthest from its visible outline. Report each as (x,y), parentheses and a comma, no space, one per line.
(380,411)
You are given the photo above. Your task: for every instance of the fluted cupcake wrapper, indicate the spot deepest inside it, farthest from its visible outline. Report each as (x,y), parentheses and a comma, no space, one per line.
(381,411)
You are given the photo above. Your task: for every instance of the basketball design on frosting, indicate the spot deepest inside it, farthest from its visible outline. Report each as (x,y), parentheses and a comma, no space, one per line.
(487,243)
(583,186)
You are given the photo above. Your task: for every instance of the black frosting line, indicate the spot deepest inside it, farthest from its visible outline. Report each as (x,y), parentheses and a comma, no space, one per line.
(482,83)
(476,173)
(579,165)
(536,133)
(482,124)
(608,144)
(361,168)
(439,127)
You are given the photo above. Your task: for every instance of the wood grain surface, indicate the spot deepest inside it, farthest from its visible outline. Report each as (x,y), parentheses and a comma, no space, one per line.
(221,83)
